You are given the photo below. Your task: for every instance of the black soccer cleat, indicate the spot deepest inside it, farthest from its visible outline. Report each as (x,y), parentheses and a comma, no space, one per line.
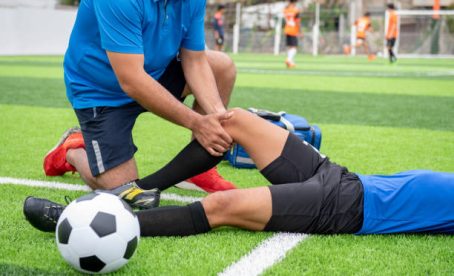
(137,197)
(42,214)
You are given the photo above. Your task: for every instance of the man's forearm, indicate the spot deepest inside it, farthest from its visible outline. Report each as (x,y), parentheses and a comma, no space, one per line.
(200,79)
(155,98)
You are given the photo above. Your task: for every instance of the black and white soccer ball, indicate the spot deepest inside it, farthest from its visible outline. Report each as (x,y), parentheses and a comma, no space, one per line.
(97,233)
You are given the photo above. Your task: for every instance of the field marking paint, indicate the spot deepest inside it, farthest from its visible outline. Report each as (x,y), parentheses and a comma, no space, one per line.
(75,187)
(347,73)
(268,253)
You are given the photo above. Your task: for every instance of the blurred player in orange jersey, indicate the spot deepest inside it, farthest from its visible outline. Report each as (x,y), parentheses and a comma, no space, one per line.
(363,27)
(292,31)
(391,32)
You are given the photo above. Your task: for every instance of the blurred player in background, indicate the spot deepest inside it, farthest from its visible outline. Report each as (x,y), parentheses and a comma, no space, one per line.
(363,27)
(391,32)
(218,26)
(292,31)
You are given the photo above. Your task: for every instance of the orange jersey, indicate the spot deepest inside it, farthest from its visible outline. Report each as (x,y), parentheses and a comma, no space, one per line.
(436,9)
(292,21)
(363,24)
(392,31)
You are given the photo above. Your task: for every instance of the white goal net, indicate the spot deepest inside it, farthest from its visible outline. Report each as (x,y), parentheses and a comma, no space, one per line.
(425,33)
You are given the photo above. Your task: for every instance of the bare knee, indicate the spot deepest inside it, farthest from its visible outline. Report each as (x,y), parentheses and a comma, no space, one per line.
(228,66)
(235,123)
(221,63)
(218,207)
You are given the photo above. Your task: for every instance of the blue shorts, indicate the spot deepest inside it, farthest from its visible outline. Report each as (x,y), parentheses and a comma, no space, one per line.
(107,131)
(408,202)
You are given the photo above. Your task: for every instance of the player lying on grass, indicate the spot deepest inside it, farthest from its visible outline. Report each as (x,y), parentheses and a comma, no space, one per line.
(310,194)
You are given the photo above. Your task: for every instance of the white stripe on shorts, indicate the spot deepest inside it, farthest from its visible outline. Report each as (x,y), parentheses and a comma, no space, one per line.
(98,156)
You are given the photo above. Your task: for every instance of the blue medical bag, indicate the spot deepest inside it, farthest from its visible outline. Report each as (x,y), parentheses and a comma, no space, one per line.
(238,157)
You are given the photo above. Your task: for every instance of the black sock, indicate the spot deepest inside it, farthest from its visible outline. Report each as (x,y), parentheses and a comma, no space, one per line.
(174,220)
(392,56)
(191,161)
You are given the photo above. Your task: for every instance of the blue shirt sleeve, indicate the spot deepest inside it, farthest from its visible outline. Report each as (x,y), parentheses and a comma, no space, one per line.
(120,25)
(195,36)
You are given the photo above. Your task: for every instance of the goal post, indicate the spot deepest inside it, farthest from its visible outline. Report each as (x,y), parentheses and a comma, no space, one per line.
(423,33)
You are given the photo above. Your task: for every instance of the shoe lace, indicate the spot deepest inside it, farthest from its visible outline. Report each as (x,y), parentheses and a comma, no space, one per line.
(54,212)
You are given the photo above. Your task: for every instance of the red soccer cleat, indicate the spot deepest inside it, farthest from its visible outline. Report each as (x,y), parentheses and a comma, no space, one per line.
(210,181)
(55,163)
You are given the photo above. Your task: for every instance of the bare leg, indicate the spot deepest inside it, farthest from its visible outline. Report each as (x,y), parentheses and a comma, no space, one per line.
(110,179)
(262,140)
(247,208)
(225,74)
(78,158)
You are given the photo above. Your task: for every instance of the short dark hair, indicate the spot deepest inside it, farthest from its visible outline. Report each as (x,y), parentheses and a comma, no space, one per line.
(367,14)
(391,6)
(293,1)
(221,7)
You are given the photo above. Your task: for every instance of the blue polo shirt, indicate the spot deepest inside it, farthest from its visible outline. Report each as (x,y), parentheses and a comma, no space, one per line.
(155,28)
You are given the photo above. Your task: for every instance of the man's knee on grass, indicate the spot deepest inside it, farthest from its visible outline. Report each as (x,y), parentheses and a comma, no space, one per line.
(221,63)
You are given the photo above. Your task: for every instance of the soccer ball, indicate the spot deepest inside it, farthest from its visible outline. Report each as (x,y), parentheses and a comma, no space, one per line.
(97,233)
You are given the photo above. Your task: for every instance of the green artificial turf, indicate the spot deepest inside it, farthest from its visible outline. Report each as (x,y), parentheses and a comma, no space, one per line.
(375,118)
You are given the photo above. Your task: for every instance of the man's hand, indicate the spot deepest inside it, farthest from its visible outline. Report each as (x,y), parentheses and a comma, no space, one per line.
(210,133)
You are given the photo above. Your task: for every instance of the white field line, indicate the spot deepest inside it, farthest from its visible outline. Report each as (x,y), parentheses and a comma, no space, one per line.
(74,187)
(268,253)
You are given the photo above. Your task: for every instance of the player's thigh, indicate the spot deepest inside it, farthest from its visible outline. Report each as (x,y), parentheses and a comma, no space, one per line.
(245,208)
(221,64)
(224,72)
(218,60)
(119,175)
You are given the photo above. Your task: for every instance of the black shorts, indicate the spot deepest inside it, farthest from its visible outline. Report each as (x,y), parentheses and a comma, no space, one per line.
(107,131)
(318,197)
(390,42)
(292,41)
